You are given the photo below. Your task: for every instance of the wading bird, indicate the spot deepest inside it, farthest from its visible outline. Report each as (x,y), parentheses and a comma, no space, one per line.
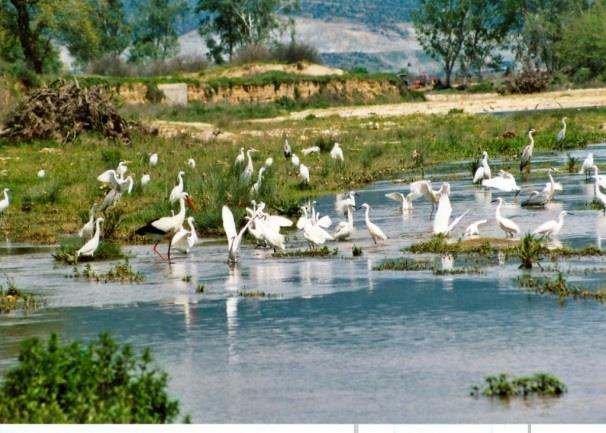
(404,200)
(268,162)
(240,158)
(234,238)
(483,171)
(89,248)
(424,188)
(561,135)
(286,149)
(337,153)
(254,190)
(5,201)
(304,173)
(295,160)
(248,170)
(184,240)
(153,159)
(113,196)
(441,222)
(599,195)
(508,226)
(41,174)
(551,228)
(473,229)
(314,233)
(504,181)
(552,186)
(86,232)
(145,179)
(166,227)
(375,232)
(587,165)
(536,199)
(312,149)
(122,168)
(343,201)
(527,152)
(345,229)
(177,190)
(191,162)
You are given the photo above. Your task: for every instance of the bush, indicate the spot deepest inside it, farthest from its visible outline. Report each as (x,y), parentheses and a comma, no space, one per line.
(110,65)
(505,386)
(250,54)
(295,52)
(582,75)
(528,81)
(97,383)
(153,94)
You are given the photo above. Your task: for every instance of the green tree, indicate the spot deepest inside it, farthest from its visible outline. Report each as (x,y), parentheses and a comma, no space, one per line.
(583,42)
(154,34)
(229,24)
(97,383)
(110,22)
(441,27)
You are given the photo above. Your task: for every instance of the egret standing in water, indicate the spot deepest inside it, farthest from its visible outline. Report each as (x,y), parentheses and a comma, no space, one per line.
(526,157)
(345,229)
(483,171)
(599,195)
(473,229)
(89,248)
(551,228)
(234,238)
(587,165)
(552,186)
(508,226)
(441,222)
(424,188)
(375,232)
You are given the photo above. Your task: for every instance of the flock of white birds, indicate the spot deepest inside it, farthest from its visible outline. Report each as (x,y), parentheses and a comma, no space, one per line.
(266,228)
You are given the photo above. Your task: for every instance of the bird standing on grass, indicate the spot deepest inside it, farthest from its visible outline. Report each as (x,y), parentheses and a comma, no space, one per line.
(561,135)
(5,201)
(176,192)
(248,170)
(527,153)
(286,149)
(337,153)
(86,232)
(240,158)
(191,162)
(304,173)
(153,159)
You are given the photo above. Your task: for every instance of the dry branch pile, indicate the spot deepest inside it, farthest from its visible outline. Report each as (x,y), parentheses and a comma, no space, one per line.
(63,111)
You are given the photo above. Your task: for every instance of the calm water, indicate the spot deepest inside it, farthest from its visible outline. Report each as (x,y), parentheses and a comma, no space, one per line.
(343,343)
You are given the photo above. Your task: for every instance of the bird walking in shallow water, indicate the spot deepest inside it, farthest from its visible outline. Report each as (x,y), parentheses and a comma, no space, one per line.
(551,228)
(483,171)
(510,228)
(587,166)
(89,248)
(526,156)
(375,232)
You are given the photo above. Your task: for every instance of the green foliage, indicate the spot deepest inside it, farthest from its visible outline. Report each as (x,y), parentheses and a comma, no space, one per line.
(100,382)
(530,250)
(154,34)
(319,252)
(153,94)
(356,251)
(12,298)
(295,52)
(404,264)
(559,287)
(121,273)
(528,81)
(107,251)
(505,386)
(571,163)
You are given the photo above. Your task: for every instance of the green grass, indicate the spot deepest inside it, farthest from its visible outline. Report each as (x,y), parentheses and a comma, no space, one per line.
(121,273)
(506,386)
(371,153)
(319,252)
(559,287)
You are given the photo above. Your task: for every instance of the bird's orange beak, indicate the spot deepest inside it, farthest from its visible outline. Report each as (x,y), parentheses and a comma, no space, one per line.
(190,203)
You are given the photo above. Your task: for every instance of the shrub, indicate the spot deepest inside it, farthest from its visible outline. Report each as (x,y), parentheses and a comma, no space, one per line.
(530,251)
(528,81)
(505,386)
(110,65)
(582,75)
(153,94)
(250,54)
(295,52)
(72,383)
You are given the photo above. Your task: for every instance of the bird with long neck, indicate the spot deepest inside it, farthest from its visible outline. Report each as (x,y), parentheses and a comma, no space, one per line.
(178,188)
(551,228)
(599,195)
(508,226)
(375,232)
(234,238)
(248,170)
(89,248)
(87,230)
(166,227)
(345,228)
(5,201)
(561,135)
(527,152)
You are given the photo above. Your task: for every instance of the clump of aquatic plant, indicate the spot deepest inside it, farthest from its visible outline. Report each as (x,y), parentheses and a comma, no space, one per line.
(559,287)
(186,279)
(404,264)
(200,288)
(107,250)
(530,251)
(356,251)
(256,294)
(506,386)
(12,298)
(319,252)
(121,273)
(457,271)
(571,163)
(437,244)
(594,204)
(588,251)
(101,382)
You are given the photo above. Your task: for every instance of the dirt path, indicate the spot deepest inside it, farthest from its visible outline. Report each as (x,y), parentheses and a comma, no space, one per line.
(469,103)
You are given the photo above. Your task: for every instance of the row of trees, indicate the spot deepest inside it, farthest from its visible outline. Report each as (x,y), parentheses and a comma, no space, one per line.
(551,35)
(32,30)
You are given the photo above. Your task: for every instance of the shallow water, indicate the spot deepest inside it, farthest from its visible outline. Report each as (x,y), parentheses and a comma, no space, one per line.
(343,343)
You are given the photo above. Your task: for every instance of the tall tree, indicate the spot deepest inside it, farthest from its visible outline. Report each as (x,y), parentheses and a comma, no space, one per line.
(229,24)
(154,33)
(110,20)
(441,27)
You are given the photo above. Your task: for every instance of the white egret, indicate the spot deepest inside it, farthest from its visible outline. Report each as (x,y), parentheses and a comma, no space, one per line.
(112,197)
(254,190)
(295,160)
(504,181)
(527,152)
(552,186)
(269,231)
(314,234)
(192,238)
(599,195)
(153,159)
(324,222)
(537,199)
(551,228)
(41,173)
(601,179)
(587,165)
(337,153)
(191,162)
(345,229)
(375,232)
(177,190)
(240,158)
(234,238)
(342,201)
(312,149)
(483,171)
(145,179)
(89,248)
(248,170)
(122,169)
(404,200)
(507,225)
(184,240)
(473,229)
(166,227)
(304,173)
(286,149)
(441,222)
(268,162)
(5,201)
(424,188)
(87,230)
(561,135)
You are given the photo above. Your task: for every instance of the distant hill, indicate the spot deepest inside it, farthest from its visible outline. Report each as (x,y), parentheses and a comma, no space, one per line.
(374,34)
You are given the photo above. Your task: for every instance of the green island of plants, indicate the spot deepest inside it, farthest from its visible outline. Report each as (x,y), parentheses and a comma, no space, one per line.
(506,386)
(13,298)
(121,273)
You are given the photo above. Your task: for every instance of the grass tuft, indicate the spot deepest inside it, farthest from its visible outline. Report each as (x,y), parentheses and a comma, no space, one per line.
(506,386)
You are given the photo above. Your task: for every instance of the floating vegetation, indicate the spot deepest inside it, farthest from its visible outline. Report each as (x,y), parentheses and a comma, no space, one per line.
(406,264)
(122,273)
(530,251)
(12,298)
(571,163)
(439,244)
(356,251)
(107,251)
(594,204)
(186,279)
(559,287)
(256,294)
(320,252)
(505,386)
(200,288)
